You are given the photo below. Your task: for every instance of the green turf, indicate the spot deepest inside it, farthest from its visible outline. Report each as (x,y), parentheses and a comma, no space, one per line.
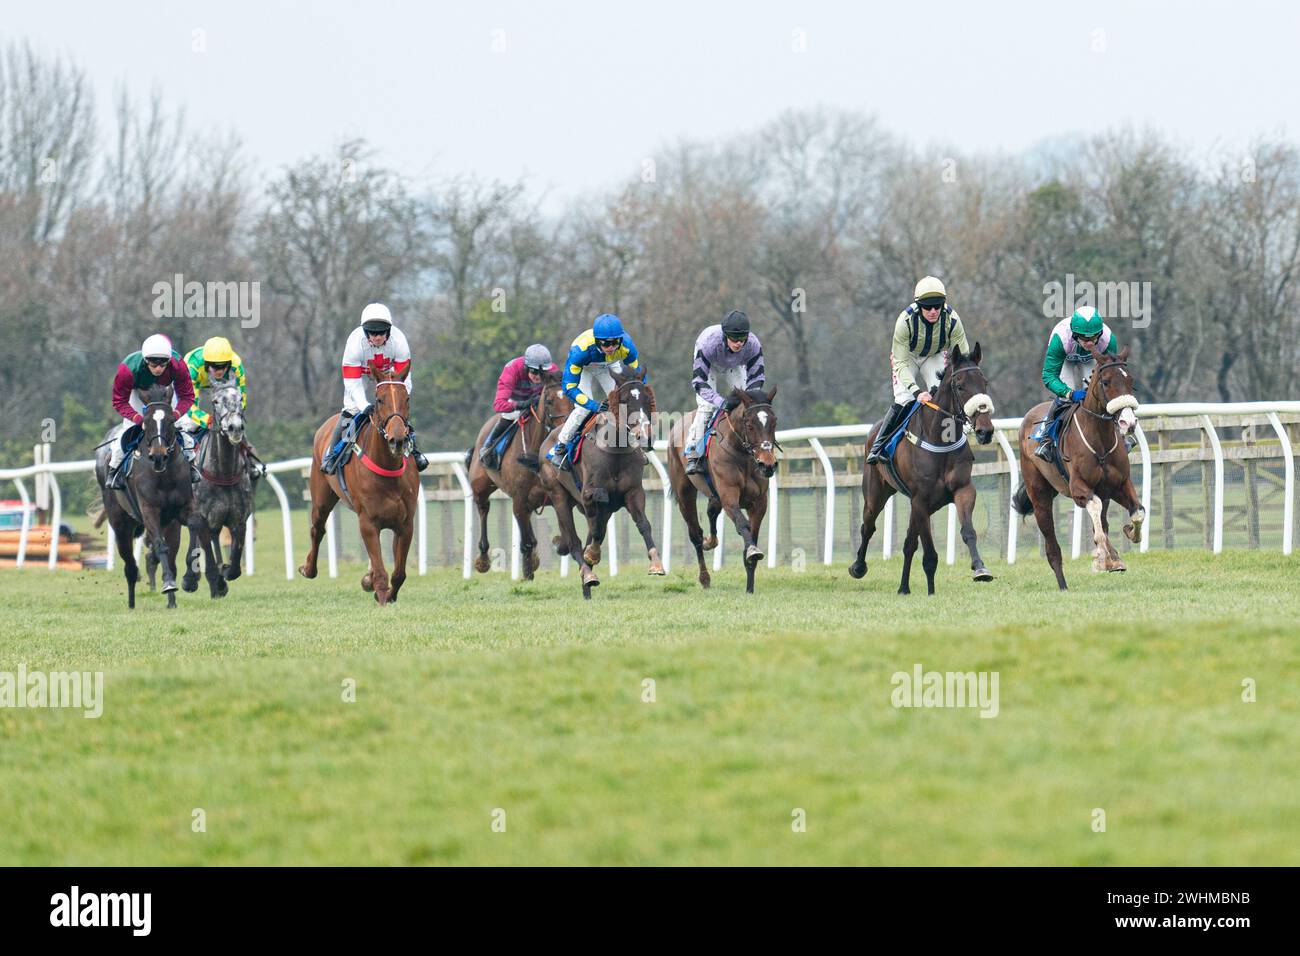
(1122,694)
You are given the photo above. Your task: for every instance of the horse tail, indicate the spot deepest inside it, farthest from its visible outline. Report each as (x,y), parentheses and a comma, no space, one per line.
(1020,501)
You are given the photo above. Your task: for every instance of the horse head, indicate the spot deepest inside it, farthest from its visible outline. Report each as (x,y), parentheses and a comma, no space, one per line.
(753,420)
(392,410)
(228,410)
(1111,388)
(159,425)
(554,405)
(969,388)
(633,408)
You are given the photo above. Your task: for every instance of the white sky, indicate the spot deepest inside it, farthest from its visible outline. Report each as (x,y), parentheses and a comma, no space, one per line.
(585,90)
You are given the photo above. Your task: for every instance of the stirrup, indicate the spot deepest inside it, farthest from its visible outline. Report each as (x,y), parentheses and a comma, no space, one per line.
(695,465)
(1044,451)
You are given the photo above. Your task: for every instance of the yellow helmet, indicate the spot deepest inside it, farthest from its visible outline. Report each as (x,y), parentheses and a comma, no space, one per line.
(930,288)
(217,350)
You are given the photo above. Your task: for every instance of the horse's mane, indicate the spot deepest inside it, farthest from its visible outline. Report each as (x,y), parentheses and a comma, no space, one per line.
(552,376)
(758,395)
(157,395)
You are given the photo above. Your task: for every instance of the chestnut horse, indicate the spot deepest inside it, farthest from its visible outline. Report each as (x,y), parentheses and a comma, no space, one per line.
(1095,461)
(380,483)
(740,462)
(609,471)
(932,466)
(517,475)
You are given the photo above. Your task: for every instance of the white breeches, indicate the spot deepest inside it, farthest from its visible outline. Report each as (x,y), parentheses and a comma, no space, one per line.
(591,376)
(926,373)
(721,381)
(1077,374)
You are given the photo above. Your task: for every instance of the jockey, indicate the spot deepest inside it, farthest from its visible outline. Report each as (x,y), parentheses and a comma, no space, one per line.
(518,389)
(923,333)
(212,362)
(375,344)
(727,356)
(603,348)
(157,363)
(1068,366)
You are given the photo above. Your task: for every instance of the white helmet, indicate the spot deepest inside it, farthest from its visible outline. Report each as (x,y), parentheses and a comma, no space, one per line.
(376,318)
(157,346)
(929,288)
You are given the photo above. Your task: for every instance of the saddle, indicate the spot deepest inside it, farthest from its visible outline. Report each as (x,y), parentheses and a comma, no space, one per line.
(342,452)
(587,426)
(1049,429)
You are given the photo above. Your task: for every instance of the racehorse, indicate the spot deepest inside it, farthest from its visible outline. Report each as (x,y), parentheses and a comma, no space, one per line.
(1094,459)
(379,481)
(739,462)
(517,475)
(933,467)
(607,475)
(224,495)
(156,500)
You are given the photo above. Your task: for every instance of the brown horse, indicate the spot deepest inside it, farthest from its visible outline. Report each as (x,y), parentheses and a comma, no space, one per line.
(518,474)
(1095,461)
(933,468)
(157,500)
(740,462)
(609,472)
(380,484)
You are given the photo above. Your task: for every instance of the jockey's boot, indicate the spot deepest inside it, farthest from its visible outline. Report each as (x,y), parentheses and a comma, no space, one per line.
(695,463)
(878,445)
(421,462)
(256,467)
(559,456)
(1044,449)
(329,461)
(488,453)
(115,480)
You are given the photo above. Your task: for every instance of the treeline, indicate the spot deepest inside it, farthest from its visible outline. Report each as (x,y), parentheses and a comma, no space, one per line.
(817,224)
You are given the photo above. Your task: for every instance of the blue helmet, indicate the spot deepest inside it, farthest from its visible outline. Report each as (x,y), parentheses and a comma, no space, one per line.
(607,326)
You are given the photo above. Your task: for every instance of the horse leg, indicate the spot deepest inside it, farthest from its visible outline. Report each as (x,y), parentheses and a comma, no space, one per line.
(323,500)
(964,499)
(377,575)
(757,510)
(1127,497)
(715,509)
(190,580)
(151,564)
(730,499)
(563,506)
(687,505)
(634,501)
(198,525)
(909,546)
(1041,494)
(1101,559)
(401,549)
(1111,554)
(171,539)
(238,531)
(597,523)
(875,493)
(528,560)
(930,554)
(483,502)
(126,551)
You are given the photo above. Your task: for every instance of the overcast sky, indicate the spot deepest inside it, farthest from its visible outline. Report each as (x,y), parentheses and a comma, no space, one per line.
(582,91)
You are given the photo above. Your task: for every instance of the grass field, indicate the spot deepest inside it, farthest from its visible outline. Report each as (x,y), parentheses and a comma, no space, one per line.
(1123,694)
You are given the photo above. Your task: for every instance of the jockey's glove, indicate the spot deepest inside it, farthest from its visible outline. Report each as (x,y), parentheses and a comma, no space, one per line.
(1078,395)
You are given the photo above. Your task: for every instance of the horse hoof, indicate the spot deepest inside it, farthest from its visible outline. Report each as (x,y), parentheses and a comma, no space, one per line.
(302,569)
(188,584)
(1131,533)
(367,582)
(904,590)
(560,547)
(982,574)
(1117,566)
(705,581)
(858,569)
(482,564)
(710,542)
(589,579)
(656,569)
(170,589)
(753,553)
(591,554)
(534,564)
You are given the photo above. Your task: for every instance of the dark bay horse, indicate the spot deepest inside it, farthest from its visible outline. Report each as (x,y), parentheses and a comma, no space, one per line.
(610,471)
(740,462)
(519,478)
(933,463)
(224,495)
(157,500)
(1095,461)
(380,483)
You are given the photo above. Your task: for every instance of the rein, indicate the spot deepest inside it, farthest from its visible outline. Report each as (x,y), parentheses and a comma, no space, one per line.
(382,431)
(1103,416)
(749,448)
(960,416)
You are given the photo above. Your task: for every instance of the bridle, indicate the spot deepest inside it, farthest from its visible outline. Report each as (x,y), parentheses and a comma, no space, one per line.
(1104,416)
(383,426)
(749,448)
(159,465)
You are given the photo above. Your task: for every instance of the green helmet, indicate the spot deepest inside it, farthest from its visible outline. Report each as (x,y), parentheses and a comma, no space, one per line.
(1086,321)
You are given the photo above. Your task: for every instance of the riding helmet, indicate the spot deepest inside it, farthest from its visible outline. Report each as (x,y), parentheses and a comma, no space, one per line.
(1086,321)
(537,357)
(217,351)
(735,325)
(156,346)
(376,318)
(929,290)
(607,326)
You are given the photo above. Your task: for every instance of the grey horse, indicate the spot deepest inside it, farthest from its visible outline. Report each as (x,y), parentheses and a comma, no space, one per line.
(224,493)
